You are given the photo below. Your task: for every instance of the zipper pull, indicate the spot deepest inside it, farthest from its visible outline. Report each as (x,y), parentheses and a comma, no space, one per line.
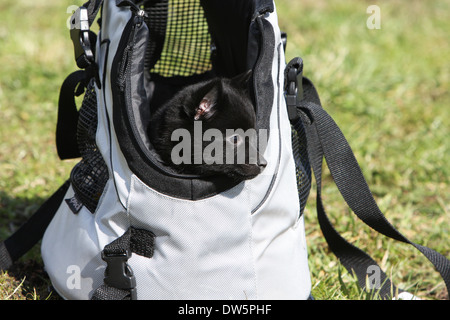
(133,7)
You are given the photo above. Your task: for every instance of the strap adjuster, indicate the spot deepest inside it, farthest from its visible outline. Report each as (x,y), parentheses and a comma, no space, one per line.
(293,76)
(118,273)
(79,33)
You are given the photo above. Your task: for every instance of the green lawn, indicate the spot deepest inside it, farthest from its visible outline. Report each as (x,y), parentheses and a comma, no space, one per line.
(388,89)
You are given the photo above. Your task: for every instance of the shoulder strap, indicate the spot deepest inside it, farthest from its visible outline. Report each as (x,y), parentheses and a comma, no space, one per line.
(67,122)
(32,231)
(325,139)
(92,6)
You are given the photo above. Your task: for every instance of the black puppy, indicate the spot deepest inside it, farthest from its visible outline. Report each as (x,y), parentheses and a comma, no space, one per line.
(209,129)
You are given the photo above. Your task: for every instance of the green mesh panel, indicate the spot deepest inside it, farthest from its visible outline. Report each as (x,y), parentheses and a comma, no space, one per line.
(186,49)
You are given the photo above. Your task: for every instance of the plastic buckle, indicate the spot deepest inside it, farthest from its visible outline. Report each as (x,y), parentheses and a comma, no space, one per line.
(79,33)
(284,40)
(118,273)
(294,87)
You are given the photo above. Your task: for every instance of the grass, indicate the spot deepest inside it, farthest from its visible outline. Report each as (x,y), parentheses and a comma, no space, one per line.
(387,89)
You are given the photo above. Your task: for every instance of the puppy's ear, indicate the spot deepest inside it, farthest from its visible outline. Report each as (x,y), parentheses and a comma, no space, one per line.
(207,106)
(242,80)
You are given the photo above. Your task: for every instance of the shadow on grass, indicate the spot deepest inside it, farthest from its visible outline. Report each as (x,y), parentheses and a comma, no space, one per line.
(29,269)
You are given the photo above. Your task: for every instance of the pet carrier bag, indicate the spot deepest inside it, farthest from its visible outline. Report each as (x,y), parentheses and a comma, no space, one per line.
(125,227)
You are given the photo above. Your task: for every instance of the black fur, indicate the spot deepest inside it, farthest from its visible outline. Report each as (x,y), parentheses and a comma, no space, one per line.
(218,103)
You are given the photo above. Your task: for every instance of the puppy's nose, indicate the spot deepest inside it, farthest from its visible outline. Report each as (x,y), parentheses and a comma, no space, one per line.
(262,161)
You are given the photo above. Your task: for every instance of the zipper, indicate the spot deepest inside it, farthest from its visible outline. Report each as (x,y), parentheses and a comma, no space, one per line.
(259,20)
(125,64)
(124,67)
(133,7)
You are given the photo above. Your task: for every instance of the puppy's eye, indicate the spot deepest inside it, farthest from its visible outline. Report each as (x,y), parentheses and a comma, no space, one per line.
(234,139)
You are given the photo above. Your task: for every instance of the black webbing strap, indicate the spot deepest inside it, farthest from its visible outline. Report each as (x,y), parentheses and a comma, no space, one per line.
(92,6)
(119,282)
(139,241)
(67,122)
(21,241)
(325,139)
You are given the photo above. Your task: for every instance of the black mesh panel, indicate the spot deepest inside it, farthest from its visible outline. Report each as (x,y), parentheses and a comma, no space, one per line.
(156,21)
(187,44)
(90,175)
(302,166)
